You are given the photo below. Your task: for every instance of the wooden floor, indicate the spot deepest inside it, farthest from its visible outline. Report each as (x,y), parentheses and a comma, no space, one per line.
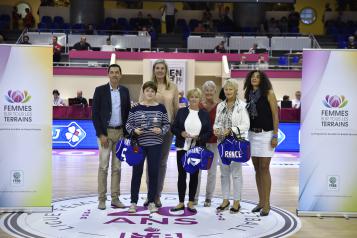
(76,174)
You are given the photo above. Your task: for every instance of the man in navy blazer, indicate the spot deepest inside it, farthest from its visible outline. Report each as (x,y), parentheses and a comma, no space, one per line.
(111,105)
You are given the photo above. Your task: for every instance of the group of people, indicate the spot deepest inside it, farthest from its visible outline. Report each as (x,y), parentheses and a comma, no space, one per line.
(78,100)
(204,122)
(287,103)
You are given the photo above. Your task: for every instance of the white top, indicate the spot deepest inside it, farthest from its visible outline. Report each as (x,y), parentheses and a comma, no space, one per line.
(295,103)
(240,117)
(59,102)
(108,48)
(170,8)
(193,127)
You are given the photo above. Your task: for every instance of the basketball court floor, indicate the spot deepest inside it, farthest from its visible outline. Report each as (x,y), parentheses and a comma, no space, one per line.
(76,215)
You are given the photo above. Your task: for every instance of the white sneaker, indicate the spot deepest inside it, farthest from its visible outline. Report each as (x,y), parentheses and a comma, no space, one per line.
(152,207)
(132,208)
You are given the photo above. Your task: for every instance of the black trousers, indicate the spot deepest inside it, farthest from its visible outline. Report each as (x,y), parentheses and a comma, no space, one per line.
(181,182)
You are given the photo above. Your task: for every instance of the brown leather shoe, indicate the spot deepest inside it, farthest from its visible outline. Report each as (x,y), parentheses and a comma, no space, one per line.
(101,205)
(117,204)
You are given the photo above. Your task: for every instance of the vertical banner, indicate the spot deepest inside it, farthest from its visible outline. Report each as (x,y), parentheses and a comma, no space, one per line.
(328,149)
(177,72)
(25,128)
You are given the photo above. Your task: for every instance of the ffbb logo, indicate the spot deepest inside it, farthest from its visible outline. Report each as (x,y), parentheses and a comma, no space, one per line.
(333,183)
(17,177)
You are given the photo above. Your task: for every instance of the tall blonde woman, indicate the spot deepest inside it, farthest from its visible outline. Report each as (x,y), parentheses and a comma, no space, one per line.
(168,95)
(231,113)
(209,103)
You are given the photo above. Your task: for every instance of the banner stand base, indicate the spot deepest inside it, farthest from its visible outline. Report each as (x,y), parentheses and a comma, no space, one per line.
(321,214)
(25,209)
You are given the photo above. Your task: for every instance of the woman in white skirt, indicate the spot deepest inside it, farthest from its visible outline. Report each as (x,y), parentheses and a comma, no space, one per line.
(263,132)
(231,114)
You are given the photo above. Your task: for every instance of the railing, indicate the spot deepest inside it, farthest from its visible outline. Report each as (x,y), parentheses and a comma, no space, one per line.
(315,43)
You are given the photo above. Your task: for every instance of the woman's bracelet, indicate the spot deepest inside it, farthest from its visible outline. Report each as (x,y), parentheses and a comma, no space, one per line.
(275,136)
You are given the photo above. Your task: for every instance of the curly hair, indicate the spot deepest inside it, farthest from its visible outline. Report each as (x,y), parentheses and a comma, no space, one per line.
(264,86)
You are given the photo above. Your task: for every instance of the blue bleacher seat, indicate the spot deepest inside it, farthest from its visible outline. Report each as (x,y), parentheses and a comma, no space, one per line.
(42,26)
(295,59)
(342,44)
(181,22)
(58,19)
(5,18)
(78,28)
(47,20)
(283,61)
(122,21)
(193,23)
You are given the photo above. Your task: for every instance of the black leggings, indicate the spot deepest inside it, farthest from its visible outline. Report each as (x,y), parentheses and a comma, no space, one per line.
(181,182)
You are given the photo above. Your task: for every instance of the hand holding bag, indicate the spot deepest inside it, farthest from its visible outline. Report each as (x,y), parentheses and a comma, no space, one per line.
(129,150)
(196,158)
(234,148)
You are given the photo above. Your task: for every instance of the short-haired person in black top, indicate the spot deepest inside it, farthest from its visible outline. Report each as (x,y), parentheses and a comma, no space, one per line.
(263,132)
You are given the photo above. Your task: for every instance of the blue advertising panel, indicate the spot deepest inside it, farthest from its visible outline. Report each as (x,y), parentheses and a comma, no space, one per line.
(73,134)
(289,137)
(80,134)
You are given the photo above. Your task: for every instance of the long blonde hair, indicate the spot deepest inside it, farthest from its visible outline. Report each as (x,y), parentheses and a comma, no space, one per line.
(167,78)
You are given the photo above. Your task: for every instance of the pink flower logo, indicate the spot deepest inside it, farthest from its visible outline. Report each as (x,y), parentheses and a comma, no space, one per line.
(335,101)
(17,96)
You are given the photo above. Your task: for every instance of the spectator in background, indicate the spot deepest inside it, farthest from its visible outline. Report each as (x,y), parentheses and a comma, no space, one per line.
(140,21)
(183,102)
(261,29)
(328,8)
(90,30)
(57,101)
(80,100)
(262,64)
(82,44)
(150,23)
(207,20)
(108,47)
(285,103)
(253,49)
(170,11)
(25,40)
(199,28)
(29,20)
(293,21)
(243,63)
(224,16)
(220,48)
(2,40)
(15,18)
(351,43)
(283,24)
(57,48)
(296,101)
